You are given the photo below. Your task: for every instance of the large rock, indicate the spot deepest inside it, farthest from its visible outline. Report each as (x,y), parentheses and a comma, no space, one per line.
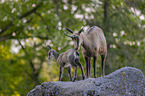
(126,81)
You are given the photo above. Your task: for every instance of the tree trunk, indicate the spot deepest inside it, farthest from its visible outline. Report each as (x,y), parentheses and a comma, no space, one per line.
(106,28)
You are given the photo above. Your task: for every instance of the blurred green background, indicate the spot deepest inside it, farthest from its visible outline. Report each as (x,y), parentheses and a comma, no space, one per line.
(27,26)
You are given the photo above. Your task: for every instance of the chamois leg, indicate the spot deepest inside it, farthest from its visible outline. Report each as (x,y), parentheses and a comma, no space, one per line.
(75,75)
(103,65)
(77,61)
(94,66)
(69,72)
(60,72)
(87,67)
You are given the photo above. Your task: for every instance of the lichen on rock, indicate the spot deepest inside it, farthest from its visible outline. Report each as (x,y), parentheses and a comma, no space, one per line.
(127,81)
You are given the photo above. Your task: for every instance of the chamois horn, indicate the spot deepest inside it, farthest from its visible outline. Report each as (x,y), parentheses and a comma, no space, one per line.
(48,46)
(68,35)
(69,30)
(80,31)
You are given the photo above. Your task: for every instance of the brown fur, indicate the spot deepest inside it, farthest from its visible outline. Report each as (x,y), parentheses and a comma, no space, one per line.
(92,43)
(67,59)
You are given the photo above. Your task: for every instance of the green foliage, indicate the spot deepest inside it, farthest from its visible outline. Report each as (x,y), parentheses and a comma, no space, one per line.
(27,26)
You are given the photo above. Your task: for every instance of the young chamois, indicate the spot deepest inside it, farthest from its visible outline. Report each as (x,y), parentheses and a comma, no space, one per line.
(67,59)
(92,43)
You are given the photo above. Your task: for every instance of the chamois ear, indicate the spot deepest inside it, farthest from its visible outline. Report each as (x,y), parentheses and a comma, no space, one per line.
(48,46)
(69,30)
(80,31)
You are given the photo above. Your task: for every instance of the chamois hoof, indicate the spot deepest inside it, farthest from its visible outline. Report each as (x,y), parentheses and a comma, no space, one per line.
(74,79)
(95,76)
(83,77)
(102,75)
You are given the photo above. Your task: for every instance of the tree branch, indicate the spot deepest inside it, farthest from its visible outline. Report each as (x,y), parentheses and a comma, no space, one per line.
(43,20)
(31,63)
(21,37)
(40,66)
(35,71)
(21,17)
(6,27)
(31,11)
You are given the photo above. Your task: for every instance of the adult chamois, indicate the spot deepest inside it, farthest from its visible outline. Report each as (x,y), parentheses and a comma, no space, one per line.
(92,43)
(67,59)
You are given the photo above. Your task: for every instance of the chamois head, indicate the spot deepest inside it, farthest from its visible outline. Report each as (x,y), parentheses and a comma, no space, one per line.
(50,53)
(75,37)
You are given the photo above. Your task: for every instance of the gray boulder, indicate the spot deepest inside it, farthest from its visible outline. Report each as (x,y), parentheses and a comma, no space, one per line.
(126,81)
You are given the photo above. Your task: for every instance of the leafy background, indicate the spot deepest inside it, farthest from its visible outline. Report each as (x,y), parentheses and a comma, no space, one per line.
(27,26)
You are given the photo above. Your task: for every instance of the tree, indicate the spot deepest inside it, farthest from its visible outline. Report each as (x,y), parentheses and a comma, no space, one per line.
(27,26)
